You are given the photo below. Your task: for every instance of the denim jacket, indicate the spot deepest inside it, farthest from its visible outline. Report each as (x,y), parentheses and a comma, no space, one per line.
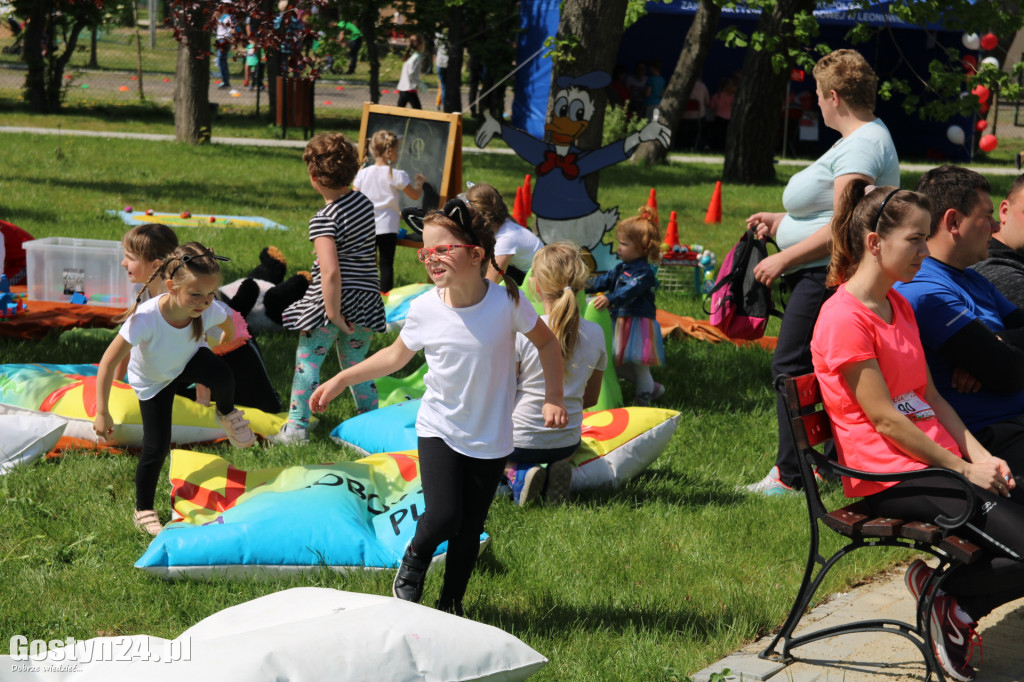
(629,288)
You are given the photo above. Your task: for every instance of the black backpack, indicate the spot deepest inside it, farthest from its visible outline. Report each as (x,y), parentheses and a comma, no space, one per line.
(740,305)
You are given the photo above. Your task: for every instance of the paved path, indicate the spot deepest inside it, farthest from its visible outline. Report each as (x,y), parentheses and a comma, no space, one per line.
(870,657)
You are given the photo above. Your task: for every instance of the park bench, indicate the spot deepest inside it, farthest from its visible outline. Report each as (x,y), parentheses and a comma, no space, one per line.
(810,428)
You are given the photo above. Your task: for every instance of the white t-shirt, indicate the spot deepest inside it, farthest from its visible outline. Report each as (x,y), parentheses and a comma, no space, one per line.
(410,78)
(471,376)
(382,189)
(527,421)
(808,197)
(225,27)
(515,240)
(160,351)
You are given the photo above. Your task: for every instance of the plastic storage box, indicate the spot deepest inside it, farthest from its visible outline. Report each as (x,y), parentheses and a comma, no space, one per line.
(60,267)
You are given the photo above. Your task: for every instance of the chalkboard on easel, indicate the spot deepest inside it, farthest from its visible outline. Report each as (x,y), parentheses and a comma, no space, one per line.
(430,143)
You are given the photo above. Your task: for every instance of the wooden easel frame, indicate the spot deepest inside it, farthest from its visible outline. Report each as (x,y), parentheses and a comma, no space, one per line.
(451,181)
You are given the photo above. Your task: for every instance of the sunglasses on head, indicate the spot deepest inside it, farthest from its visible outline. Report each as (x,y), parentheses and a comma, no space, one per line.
(440,251)
(188,258)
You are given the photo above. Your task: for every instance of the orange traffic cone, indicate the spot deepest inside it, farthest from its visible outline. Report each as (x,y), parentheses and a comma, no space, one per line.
(714,214)
(652,205)
(672,231)
(517,208)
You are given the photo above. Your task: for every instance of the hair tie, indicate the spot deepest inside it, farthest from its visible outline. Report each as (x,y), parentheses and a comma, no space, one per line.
(881,208)
(567,289)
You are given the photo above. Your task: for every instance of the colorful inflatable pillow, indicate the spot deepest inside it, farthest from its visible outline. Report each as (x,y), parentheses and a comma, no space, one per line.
(69,392)
(230,522)
(617,444)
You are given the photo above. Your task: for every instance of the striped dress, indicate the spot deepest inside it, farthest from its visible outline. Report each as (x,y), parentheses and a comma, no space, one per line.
(349,222)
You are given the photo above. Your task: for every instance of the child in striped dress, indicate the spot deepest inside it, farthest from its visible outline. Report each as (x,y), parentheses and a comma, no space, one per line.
(343,302)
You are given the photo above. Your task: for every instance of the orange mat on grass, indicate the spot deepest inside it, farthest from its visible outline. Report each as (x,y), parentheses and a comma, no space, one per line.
(45,316)
(679,325)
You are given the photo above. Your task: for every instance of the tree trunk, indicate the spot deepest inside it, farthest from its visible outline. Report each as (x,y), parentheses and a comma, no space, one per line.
(367,22)
(35,79)
(598,26)
(453,81)
(756,114)
(192,88)
(687,71)
(93,63)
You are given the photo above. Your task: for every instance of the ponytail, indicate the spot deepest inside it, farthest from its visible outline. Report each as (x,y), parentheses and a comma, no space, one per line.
(559,274)
(847,244)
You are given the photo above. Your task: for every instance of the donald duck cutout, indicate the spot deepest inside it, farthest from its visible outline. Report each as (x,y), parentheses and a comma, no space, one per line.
(564,208)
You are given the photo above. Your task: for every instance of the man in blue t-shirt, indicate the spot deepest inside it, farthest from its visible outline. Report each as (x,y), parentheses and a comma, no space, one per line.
(972,336)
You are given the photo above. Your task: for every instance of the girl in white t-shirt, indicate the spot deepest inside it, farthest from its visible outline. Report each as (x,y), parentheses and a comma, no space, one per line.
(514,245)
(381,184)
(467,329)
(163,337)
(409,83)
(559,275)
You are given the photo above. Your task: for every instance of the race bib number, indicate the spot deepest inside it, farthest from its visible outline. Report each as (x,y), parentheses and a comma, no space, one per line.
(912,406)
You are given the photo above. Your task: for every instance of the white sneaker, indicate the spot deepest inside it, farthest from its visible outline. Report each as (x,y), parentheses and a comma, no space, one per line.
(769,486)
(290,434)
(236,426)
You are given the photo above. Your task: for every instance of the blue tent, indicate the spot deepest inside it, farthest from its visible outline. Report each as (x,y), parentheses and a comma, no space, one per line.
(661,32)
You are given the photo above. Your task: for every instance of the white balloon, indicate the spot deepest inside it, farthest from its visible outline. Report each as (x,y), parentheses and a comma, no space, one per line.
(971,41)
(955,134)
(992,61)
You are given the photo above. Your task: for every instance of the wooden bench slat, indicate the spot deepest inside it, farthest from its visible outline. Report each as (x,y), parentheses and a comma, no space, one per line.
(882,527)
(845,521)
(922,532)
(962,550)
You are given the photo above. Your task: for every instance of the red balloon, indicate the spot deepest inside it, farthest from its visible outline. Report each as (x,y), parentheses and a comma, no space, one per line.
(989,41)
(983,108)
(981,92)
(981,125)
(988,143)
(970,63)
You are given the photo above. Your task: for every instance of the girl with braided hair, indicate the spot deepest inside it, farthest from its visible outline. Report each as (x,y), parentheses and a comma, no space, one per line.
(467,329)
(163,336)
(382,183)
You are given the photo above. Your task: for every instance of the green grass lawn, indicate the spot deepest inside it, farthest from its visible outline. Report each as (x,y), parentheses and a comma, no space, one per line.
(651,582)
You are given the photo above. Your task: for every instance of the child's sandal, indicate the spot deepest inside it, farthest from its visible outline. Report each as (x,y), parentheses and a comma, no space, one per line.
(148,522)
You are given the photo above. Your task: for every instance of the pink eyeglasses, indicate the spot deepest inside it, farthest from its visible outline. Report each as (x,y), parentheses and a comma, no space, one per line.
(440,251)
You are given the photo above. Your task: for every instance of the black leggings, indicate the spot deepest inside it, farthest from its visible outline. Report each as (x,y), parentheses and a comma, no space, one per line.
(410,97)
(386,260)
(982,586)
(157,414)
(457,491)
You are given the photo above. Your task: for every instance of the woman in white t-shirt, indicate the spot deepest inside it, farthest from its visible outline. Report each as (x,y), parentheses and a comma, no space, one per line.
(381,184)
(559,275)
(164,338)
(846,88)
(467,329)
(409,82)
(514,245)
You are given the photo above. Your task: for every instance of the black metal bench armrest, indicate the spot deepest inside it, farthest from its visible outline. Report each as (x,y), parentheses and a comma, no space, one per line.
(943,521)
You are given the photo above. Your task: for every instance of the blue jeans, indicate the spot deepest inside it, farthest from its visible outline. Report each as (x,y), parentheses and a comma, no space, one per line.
(222,65)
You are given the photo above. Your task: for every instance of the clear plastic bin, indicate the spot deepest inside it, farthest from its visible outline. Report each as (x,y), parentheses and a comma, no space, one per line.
(60,267)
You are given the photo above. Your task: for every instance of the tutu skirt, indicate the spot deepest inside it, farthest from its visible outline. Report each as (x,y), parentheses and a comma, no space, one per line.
(637,340)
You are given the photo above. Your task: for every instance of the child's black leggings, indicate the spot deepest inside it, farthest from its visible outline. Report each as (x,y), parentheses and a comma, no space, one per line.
(157,412)
(386,244)
(458,491)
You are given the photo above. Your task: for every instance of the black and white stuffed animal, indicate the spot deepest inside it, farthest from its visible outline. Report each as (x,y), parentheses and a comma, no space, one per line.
(262,296)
